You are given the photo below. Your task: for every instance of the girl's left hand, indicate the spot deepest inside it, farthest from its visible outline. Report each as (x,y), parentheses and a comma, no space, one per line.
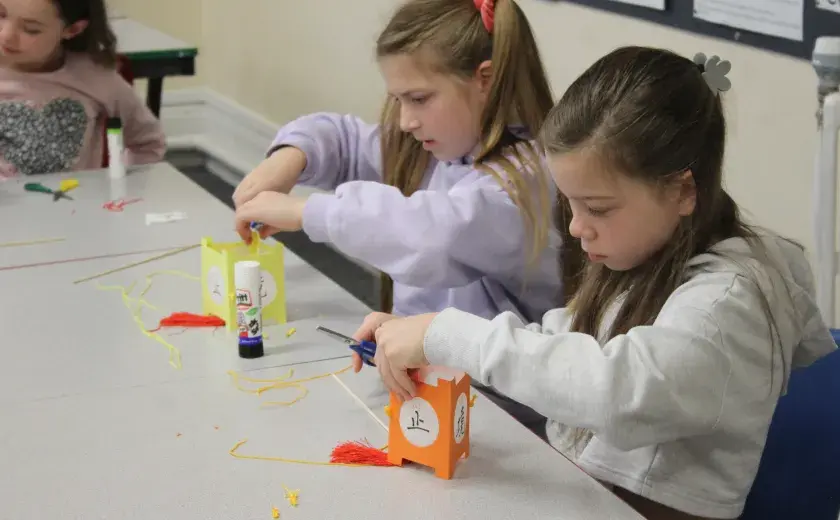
(399,348)
(277,212)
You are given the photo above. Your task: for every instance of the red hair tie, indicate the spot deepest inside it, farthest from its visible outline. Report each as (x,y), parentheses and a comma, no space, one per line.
(486,8)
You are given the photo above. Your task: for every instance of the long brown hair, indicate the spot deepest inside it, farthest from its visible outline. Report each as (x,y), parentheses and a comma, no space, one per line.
(453,32)
(647,113)
(97,40)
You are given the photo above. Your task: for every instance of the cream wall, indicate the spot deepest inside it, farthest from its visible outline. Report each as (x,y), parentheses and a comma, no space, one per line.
(770,109)
(287,58)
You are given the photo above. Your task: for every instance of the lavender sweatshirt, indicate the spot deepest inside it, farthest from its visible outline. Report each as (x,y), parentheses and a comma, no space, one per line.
(459,241)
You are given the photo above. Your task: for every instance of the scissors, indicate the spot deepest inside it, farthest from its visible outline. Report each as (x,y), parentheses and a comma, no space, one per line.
(365,349)
(57,194)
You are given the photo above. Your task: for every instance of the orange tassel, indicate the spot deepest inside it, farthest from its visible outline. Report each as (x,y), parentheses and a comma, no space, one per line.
(186,319)
(361,453)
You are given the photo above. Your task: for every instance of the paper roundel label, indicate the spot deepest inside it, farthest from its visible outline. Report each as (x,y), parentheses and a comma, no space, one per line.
(419,422)
(216,285)
(268,288)
(460,421)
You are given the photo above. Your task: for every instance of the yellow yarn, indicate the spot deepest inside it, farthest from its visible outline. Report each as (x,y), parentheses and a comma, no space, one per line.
(31,242)
(292,496)
(279,384)
(236,446)
(139,302)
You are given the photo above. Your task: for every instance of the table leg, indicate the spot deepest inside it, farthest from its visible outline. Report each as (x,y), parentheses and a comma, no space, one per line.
(153,95)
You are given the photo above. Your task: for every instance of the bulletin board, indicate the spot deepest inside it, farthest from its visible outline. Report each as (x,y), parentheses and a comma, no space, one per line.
(680,14)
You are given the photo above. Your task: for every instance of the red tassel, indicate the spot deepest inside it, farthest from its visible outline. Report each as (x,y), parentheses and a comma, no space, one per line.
(361,453)
(186,319)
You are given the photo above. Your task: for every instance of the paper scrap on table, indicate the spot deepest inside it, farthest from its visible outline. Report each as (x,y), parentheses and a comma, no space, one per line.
(163,218)
(780,18)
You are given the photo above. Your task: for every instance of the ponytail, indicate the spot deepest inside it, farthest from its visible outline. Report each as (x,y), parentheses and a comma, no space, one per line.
(520,88)
(461,35)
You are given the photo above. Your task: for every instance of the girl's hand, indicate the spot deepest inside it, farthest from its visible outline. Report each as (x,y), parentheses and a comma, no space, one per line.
(399,348)
(279,172)
(367,332)
(276,211)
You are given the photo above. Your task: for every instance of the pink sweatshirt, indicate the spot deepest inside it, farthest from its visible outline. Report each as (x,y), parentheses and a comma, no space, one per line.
(53,121)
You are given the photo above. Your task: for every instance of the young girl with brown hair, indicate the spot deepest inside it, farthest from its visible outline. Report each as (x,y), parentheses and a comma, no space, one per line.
(662,374)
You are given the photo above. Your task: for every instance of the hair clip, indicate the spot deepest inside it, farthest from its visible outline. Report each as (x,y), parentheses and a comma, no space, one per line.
(714,71)
(487,9)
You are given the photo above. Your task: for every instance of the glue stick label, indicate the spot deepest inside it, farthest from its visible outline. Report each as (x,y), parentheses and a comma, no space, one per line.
(248,317)
(248,302)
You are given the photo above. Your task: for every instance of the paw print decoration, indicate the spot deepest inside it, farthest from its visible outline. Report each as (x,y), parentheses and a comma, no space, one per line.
(714,71)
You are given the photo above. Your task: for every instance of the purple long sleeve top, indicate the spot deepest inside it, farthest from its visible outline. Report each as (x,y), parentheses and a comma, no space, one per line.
(459,241)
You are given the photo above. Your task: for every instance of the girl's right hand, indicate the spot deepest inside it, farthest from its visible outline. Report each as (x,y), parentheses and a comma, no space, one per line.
(279,172)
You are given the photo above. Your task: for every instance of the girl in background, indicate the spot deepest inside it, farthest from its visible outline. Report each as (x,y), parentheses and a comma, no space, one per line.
(58,85)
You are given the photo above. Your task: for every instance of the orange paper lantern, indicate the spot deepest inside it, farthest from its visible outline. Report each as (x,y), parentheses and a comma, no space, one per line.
(433,428)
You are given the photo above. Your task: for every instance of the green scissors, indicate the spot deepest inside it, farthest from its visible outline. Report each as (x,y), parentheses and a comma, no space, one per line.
(37,186)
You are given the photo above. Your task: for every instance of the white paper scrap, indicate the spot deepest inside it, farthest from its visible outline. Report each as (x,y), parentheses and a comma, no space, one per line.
(163,218)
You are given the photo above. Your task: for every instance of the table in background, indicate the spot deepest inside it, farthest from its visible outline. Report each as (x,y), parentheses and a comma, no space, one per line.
(153,55)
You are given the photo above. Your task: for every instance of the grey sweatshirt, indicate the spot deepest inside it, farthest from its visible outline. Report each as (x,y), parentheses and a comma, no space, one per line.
(677,411)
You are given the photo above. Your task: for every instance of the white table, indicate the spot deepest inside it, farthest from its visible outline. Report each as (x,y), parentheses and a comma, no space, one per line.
(62,333)
(80,325)
(161,451)
(97,424)
(137,39)
(153,54)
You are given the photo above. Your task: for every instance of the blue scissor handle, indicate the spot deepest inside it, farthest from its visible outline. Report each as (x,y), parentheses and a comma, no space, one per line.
(366,350)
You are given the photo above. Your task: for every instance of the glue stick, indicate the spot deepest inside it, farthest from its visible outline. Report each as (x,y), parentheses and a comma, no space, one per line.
(246,280)
(116,168)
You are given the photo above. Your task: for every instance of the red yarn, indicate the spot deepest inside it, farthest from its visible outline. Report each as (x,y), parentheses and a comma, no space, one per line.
(118,205)
(361,453)
(187,319)
(487,9)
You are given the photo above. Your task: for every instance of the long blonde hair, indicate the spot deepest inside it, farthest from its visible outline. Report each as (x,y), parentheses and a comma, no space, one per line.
(454,33)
